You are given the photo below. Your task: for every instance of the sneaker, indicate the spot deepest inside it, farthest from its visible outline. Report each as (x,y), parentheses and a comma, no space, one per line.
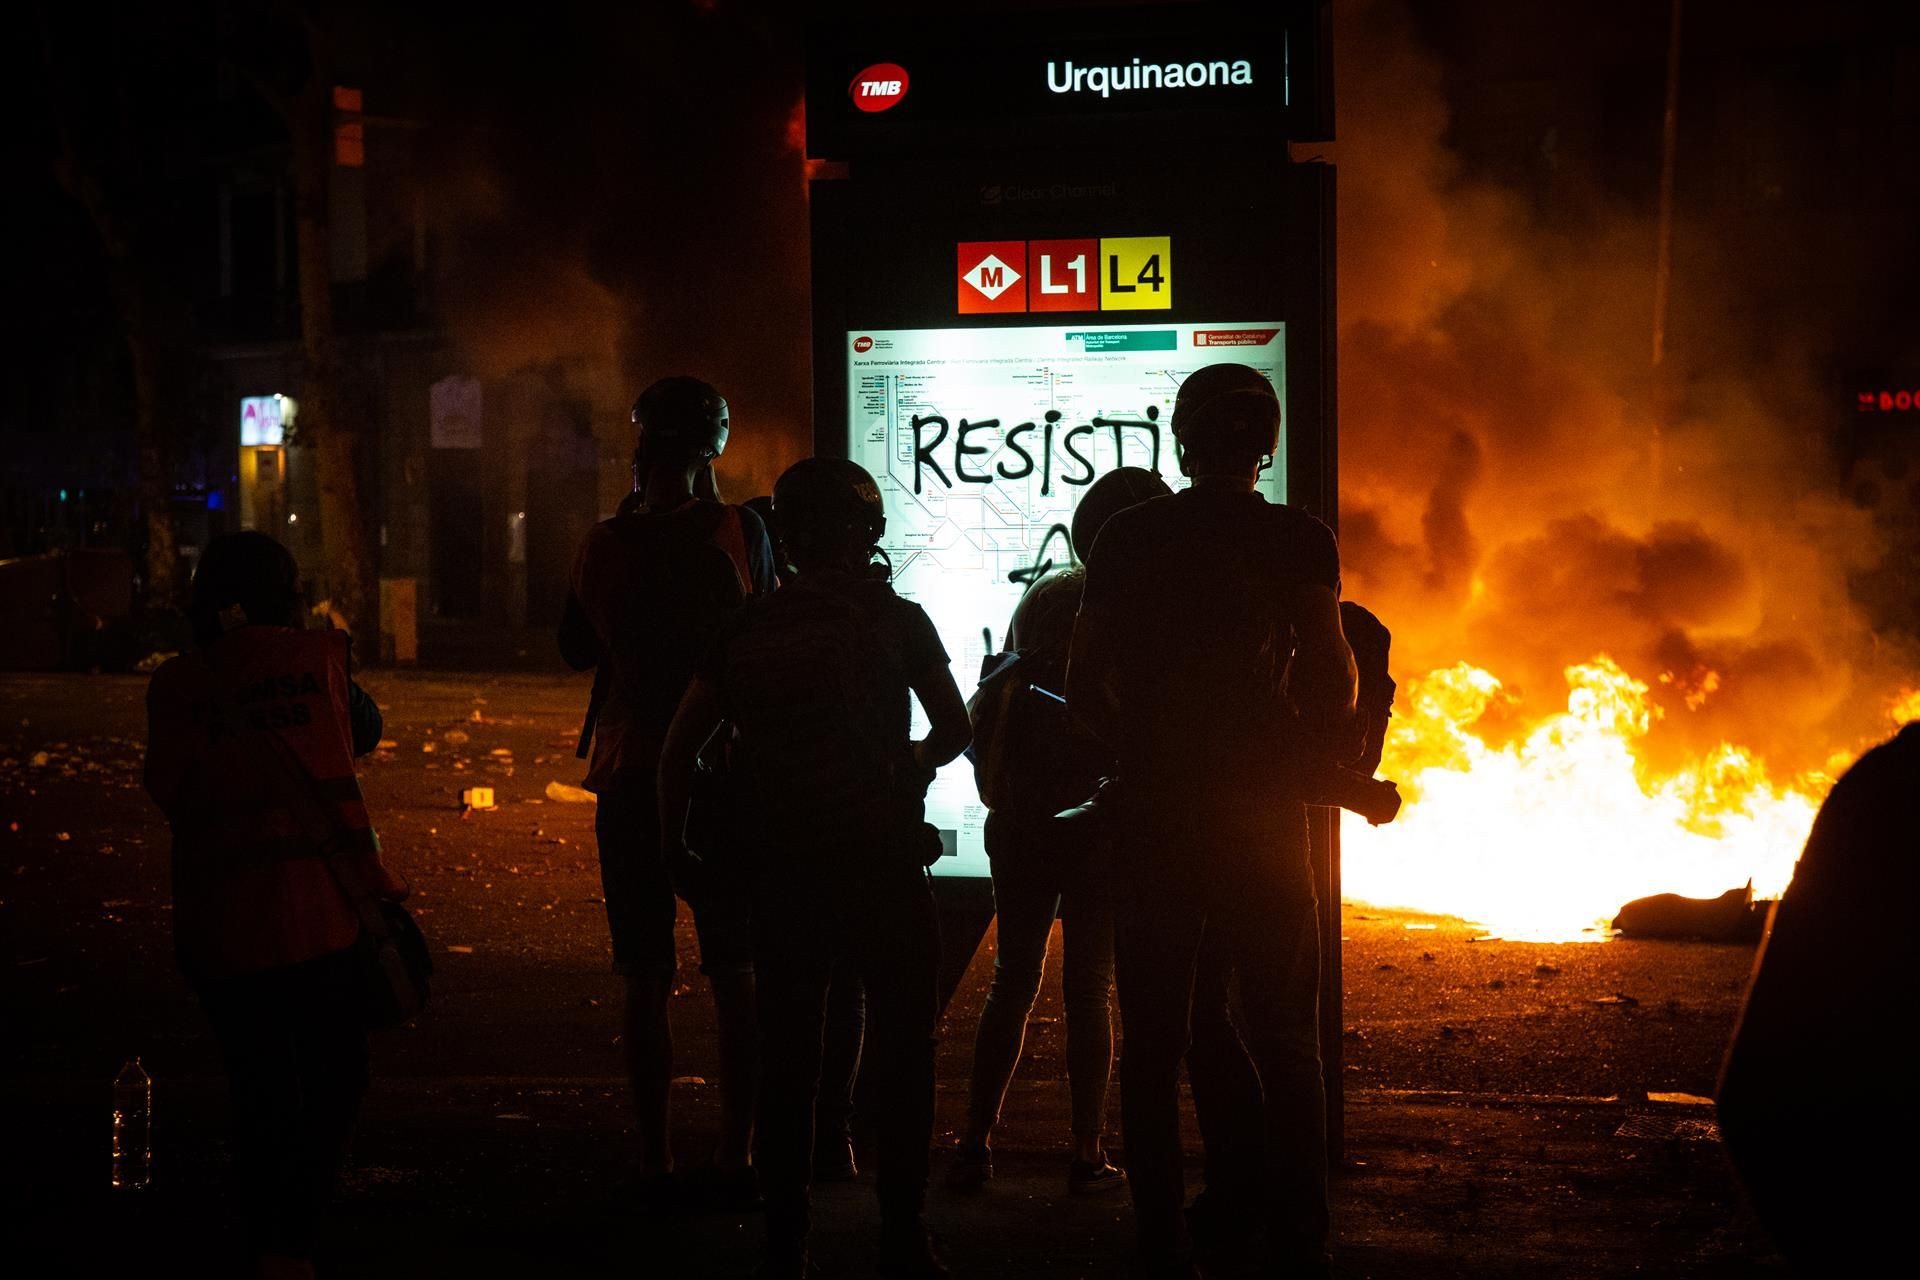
(972,1169)
(906,1253)
(1090,1177)
(835,1163)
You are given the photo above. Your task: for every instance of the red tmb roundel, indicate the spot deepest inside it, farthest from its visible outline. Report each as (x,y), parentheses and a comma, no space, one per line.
(880,86)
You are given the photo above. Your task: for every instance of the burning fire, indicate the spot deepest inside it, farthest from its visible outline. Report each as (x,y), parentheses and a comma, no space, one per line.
(1544,836)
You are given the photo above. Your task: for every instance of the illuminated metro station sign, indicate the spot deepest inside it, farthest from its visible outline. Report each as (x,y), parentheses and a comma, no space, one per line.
(880,86)
(1067,77)
(1118,273)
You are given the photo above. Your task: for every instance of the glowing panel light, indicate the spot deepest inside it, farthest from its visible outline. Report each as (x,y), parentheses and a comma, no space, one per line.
(264,419)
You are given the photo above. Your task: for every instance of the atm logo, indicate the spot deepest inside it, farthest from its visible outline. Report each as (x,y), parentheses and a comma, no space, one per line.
(880,86)
(1126,273)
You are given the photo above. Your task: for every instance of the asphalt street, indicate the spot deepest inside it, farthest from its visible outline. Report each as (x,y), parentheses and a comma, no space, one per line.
(1498,1109)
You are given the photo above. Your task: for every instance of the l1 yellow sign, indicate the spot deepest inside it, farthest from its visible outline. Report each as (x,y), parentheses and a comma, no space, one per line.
(1136,273)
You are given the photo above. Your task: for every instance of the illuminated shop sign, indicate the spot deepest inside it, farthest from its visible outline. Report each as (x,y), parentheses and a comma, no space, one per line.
(1887,400)
(1118,273)
(264,419)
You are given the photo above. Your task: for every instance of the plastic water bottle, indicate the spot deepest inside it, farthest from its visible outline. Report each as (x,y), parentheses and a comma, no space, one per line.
(132,1127)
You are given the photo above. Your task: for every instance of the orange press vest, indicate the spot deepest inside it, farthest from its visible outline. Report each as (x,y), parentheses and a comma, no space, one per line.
(251,882)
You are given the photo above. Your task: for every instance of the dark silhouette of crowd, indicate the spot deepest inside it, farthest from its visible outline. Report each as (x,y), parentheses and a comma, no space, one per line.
(1166,710)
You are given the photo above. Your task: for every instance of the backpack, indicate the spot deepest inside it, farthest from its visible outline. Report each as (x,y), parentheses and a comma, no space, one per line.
(1029,756)
(820,701)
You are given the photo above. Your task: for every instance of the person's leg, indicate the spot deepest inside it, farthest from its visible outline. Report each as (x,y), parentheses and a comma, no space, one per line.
(846,1031)
(253,1032)
(1157,933)
(793,959)
(1086,972)
(1227,1098)
(1276,947)
(640,917)
(893,934)
(1025,902)
(330,1042)
(723,923)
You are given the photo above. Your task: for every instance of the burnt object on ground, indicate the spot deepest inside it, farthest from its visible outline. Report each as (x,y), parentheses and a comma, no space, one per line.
(1734,916)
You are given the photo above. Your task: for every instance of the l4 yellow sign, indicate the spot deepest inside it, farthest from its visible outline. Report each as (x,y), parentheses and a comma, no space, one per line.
(1121,273)
(1136,273)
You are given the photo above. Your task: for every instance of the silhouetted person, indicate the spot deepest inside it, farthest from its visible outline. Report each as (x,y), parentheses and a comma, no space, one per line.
(250,746)
(1227,1096)
(1209,632)
(816,680)
(1041,871)
(1816,1101)
(846,1020)
(651,588)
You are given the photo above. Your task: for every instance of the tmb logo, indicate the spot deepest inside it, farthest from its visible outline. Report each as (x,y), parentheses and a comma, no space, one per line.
(880,86)
(863,344)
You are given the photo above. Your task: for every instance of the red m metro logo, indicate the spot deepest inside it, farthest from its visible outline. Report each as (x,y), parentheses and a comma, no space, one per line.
(880,86)
(993,277)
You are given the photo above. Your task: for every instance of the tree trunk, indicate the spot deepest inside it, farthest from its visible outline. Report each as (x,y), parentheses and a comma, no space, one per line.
(150,453)
(334,435)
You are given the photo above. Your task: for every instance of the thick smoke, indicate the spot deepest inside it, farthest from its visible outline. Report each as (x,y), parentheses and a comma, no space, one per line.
(1509,496)
(627,201)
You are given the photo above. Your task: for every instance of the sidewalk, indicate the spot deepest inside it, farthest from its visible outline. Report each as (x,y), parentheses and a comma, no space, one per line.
(527,1177)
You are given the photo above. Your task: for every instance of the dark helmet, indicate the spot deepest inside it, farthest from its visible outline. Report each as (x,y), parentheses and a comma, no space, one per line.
(822,504)
(1226,413)
(682,416)
(1115,491)
(244,577)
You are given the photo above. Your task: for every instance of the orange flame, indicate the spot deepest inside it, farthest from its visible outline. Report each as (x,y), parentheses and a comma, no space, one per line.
(1546,836)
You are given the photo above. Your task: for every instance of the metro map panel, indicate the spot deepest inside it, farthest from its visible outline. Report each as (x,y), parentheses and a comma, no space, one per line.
(983,441)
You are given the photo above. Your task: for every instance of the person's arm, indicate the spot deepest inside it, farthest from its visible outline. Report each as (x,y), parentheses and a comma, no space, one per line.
(1092,696)
(699,715)
(579,645)
(169,723)
(1324,681)
(753,531)
(363,718)
(948,731)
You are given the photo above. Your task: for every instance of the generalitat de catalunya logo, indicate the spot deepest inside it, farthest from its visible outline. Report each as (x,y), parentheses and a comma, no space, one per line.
(880,86)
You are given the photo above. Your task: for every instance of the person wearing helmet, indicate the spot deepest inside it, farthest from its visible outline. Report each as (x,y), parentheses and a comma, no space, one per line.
(651,587)
(1040,873)
(817,680)
(1208,642)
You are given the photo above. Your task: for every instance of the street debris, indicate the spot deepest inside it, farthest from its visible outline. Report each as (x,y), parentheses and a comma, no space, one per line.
(567,794)
(457,736)
(1546,970)
(1734,916)
(1618,999)
(461,951)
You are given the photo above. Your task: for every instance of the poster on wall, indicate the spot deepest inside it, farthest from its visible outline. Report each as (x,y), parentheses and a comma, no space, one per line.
(454,408)
(984,440)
